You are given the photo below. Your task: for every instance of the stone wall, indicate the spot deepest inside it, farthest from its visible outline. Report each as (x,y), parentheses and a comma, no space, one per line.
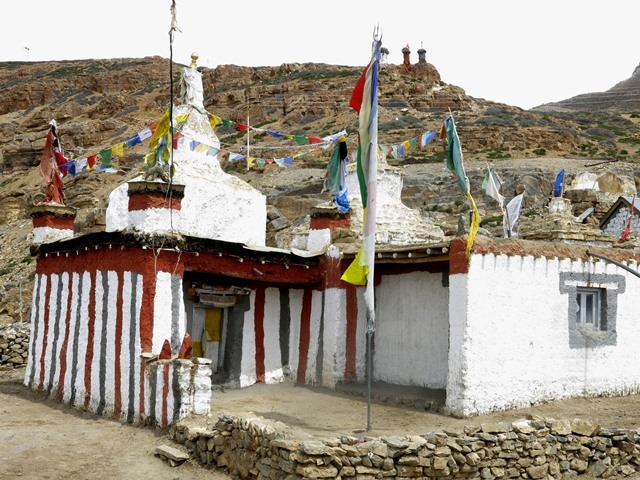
(14,345)
(537,448)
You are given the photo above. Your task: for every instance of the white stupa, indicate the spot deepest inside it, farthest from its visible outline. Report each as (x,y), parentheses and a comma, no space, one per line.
(215,205)
(396,224)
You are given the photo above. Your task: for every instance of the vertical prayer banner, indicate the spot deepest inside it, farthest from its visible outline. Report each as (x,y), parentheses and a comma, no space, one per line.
(364,100)
(456,165)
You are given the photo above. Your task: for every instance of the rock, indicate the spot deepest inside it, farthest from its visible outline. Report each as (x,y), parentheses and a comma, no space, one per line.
(584,427)
(175,456)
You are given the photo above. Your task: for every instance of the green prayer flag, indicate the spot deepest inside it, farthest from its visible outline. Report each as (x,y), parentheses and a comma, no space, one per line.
(301,140)
(454,155)
(105,155)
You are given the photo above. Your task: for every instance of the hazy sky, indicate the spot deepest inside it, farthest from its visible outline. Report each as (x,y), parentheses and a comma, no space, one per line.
(519,52)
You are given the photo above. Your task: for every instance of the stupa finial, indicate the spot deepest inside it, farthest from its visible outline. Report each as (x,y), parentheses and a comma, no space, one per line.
(194,59)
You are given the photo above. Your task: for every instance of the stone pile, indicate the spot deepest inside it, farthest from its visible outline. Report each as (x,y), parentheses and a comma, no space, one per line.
(14,345)
(536,448)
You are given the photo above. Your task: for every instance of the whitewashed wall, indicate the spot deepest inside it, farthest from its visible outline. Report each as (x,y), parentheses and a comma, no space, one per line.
(411,337)
(169,315)
(509,336)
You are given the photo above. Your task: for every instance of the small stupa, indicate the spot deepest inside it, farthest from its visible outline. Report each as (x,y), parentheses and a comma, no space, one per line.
(194,196)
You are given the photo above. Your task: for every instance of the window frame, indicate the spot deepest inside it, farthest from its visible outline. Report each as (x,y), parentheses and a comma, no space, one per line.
(584,311)
(611,286)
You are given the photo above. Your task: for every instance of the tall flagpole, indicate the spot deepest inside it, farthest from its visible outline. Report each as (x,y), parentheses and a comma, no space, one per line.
(369,241)
(248,146)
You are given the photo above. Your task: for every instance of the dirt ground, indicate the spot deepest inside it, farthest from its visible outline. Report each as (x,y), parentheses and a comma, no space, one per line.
(42,439)
(314,412)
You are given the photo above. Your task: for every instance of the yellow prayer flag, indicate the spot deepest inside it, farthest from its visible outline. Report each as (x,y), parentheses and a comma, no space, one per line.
(118,150)
(406,144)
(214,121)
(356,274)
(473,228)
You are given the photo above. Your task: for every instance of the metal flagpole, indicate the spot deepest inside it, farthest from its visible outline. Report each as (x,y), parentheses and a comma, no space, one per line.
(369,240)
(248,146)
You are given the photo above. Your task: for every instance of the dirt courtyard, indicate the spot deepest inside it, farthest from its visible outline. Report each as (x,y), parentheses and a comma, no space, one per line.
(43,439)
(315,412)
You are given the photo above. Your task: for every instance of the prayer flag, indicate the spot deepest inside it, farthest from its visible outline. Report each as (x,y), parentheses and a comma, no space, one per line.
(133,141)
(455,164)
(61,161)
(558,186)
(118,150)
(144,134)
(81,164)
(335,181)
(426,138)
(627,230)
(105,156)
(492,185)
(365,101)
(513,214)
(214,120)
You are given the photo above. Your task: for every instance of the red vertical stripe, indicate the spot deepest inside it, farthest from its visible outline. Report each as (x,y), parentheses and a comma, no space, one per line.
(146,324)
(259,329)
(65,343)
(305,335)
(352,327)
(147,309)
(165,394)
(91,325)
(117,374)
(45,319)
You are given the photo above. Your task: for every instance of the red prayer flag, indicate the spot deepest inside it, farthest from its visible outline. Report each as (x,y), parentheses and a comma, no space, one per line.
(61,160)
(627,230)
(315,140)
(358,91)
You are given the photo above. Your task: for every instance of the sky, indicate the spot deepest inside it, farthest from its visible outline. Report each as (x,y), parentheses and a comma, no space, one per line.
(519,52)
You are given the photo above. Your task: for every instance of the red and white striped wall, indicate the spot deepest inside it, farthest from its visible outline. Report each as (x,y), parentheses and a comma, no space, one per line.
(318,336)
(324,341)
(89,329)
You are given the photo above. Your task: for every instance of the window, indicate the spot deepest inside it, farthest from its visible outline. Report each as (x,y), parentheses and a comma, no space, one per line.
(588,309)
(592,301)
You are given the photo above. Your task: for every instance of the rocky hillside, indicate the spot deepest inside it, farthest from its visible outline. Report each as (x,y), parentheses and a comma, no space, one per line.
(99,103)
(623,97)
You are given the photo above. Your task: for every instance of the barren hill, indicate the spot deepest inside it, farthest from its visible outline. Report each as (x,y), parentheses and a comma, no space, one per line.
(624,97)
(99,103)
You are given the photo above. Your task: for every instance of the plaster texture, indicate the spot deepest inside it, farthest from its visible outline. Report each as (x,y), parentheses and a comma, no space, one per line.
(510,341)
(412,328)
(216,205)
(48,234)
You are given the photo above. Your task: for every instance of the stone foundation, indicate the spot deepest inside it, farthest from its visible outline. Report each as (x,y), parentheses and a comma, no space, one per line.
(526,449)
